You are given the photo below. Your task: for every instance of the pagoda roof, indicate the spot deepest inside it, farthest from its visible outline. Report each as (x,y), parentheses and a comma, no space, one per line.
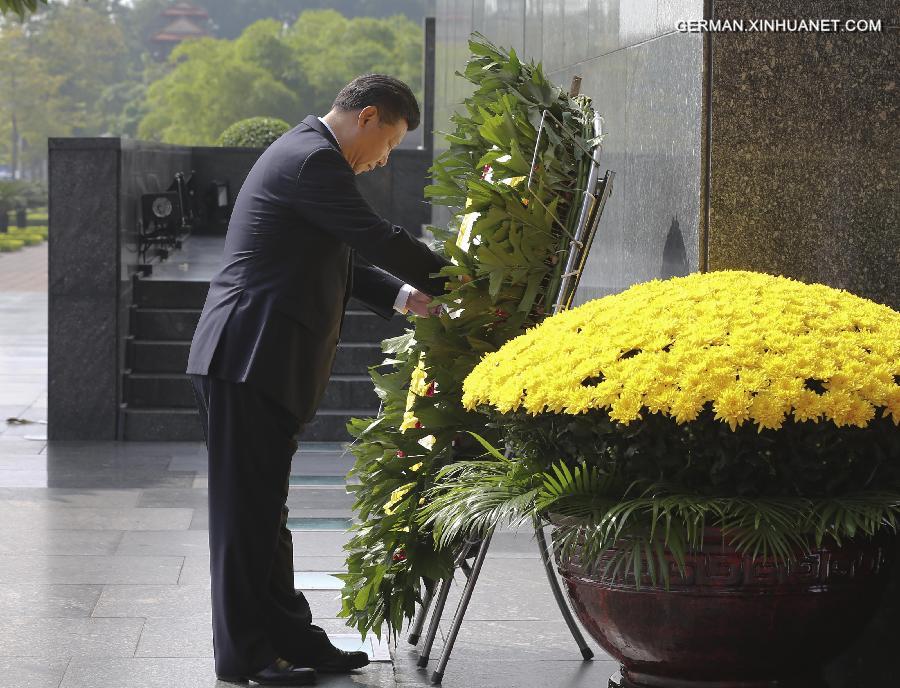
(178,30)
(184,9)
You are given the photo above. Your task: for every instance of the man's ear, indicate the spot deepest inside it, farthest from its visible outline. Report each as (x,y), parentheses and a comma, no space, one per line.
(368,113)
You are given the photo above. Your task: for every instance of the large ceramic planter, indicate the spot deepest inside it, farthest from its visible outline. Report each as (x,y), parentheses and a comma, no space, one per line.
(730,622)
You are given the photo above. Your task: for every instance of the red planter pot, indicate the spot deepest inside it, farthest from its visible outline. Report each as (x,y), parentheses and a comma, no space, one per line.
(730,622)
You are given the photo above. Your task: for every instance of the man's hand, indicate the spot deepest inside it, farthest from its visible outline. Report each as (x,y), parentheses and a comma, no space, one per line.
(417,302)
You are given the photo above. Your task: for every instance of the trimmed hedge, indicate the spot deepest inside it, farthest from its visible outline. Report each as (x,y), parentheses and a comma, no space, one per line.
(255,132)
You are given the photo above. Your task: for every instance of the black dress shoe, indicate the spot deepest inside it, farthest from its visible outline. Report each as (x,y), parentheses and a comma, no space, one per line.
(341,661)
(278,673)
(313,648)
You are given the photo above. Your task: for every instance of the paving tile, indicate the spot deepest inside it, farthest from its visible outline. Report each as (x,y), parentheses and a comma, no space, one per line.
(325,604)
(321,543)
(60,638)
(522,544)
(18,445)
(507,589)
(119,478)
(142,673)
(334,463)
(90,569)
(188,497)
(41,541)
(485,671)
(316,580)
(32,672)
(313,563)
(10,410)
(49,600)
(307,523)
(23,478)
(157,601)
(519,640)
(180,636)
(195,570)
(71,496)
(165,543)
(23,462)
(56,517)
(317,480)
(189,462)
(161,450)
(174,672)
(200,520)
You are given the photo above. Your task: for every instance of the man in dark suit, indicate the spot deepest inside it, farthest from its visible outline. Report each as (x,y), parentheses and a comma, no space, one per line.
(300,242)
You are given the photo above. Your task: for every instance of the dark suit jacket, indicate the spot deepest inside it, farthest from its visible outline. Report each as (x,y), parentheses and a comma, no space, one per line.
(274,311)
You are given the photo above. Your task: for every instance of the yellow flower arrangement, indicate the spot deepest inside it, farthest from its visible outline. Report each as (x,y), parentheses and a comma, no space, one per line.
(756,346)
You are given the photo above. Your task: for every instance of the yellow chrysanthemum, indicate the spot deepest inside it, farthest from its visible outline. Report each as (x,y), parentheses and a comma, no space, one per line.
(755,347)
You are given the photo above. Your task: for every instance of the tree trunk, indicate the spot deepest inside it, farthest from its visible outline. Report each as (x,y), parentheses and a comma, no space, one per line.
(15,148)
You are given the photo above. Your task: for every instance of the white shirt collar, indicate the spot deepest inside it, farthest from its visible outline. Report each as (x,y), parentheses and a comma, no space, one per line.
(330,129)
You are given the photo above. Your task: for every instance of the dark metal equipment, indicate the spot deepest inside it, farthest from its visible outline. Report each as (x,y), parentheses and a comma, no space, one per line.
(166,218)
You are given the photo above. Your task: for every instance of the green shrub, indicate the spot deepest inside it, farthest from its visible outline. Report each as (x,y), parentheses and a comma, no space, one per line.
(10,244)
(255,132)
(29,238)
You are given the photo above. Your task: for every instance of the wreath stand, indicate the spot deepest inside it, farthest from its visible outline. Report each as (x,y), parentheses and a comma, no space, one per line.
(596,194)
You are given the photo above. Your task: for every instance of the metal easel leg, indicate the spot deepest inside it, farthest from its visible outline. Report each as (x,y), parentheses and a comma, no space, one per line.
(419,621)
(461,609)
(440,603)
(586,652)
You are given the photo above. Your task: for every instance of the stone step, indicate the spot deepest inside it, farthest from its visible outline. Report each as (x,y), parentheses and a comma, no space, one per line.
(156,293)
(161,356)
(365,326)
(170,324)
(173,390)
(178,324)
(183,425)
(159,293)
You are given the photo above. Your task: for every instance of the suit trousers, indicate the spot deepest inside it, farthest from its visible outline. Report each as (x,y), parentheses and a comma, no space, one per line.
(250,441)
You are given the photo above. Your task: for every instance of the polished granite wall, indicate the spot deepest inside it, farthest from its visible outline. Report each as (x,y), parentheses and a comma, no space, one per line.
(95,186)
(95,190)
(804,148)
(646,80)
(778,153)
(804,162)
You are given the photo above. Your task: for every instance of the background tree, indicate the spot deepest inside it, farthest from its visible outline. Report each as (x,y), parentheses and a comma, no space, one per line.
(274,70)
(52,78)
(230,17)
(30,102)
(209,88)
(20,7)
(84,68)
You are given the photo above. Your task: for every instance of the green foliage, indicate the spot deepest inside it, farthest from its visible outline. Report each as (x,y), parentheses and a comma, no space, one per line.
(500,286)
(12,192)
(707,458)
(595,511)
(20,7)
(273,71)
(53,77)
(255,132)
(8,243)
(231,17)
(82,68)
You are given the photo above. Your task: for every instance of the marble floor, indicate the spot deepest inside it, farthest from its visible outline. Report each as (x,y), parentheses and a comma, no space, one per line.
(104,579)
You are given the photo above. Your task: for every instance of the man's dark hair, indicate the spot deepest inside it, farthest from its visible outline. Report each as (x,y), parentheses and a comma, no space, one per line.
(392,97)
